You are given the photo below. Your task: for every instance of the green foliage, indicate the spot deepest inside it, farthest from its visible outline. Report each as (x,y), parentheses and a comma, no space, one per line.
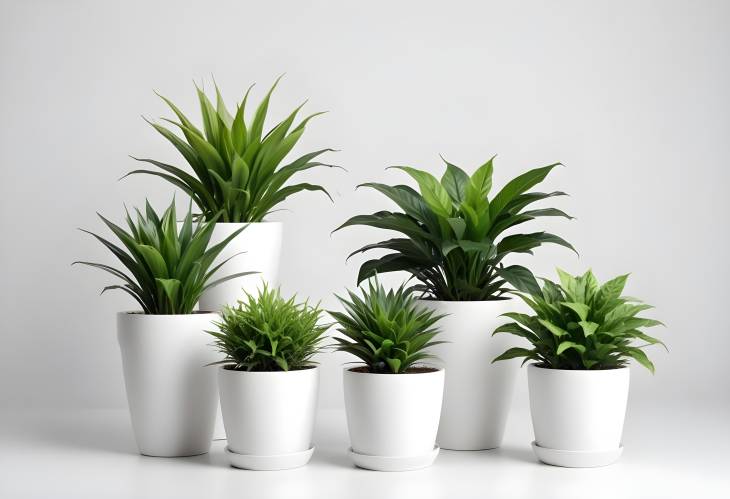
(268,333)
(167,269)
(236,169)
(579,324)
(388,331)
(454,241)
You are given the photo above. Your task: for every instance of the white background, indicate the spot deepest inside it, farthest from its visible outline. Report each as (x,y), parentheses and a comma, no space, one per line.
(631,96)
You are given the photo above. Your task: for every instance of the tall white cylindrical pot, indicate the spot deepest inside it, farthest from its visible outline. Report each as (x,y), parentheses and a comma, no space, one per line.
(259,245)
(393,415)
(171,391)
(269,413)
(477,394)
(578,413)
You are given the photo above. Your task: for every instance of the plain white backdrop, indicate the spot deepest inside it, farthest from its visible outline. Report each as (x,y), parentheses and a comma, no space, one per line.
(631,96)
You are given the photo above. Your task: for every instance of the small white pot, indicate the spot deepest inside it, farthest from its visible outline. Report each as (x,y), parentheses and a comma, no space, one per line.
(269,416)
(478,394)
(171,391)
(578,416)
(393,418)
(260,248)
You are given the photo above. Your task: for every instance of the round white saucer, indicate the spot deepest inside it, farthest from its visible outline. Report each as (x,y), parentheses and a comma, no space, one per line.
(393,463)
(269,463)
(577,459)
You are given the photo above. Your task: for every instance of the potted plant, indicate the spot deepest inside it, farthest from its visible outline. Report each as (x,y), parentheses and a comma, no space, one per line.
(583,335)
(237,172)
(268,381)
(393,402)
(454,245)
(172,396)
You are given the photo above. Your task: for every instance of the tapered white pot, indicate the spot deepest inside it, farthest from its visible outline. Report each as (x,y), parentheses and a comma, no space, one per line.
(171,392)
(259,245)
(269,416)
(578,416)
(392,419)
(478,394)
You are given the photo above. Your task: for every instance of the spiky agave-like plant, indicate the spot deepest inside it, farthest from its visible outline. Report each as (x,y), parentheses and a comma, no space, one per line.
(453,235)
(387,330)
(266,332)
(236,167)
(167,269)
(580,324)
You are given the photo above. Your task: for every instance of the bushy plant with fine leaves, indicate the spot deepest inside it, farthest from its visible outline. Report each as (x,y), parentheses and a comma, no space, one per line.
(387,330)
(580,324)
(266,332)
(236,167)
(166,269)
(453,235)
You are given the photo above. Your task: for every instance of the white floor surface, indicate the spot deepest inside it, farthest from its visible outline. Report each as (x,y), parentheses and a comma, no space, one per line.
(668,453)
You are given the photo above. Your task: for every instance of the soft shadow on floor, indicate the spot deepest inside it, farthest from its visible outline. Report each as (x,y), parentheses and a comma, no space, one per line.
(523,454)
(333,457)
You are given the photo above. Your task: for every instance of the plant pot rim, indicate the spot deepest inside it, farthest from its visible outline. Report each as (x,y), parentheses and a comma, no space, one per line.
(140,313)
(590,371)
(349,369)
(293,372)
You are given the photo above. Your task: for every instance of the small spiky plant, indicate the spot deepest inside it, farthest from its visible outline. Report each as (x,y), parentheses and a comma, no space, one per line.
(454,241)
(167,269)
(387,330)
(579,324)
(266,332)
(236,166)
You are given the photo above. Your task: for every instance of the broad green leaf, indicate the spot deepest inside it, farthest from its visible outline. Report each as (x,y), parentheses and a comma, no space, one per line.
(521,278)
(588,327)
(565,345)
(154,260)
(556,330)
(458,226)
(641,358)
(581,309)
(171,287)
(433,193)
(514,353)
(517,186)
(482,177)
(515,329)
(455,181)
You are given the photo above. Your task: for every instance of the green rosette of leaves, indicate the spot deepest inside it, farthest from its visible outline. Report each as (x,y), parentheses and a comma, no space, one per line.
(166,268)
(580,324)
(266,332)
(237,168)
(387,330)
(454,240)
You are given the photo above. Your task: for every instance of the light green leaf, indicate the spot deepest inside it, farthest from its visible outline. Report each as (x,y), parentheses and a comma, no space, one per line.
(588,327)
(579,308)
(556,330)
(433,192)
(565,345)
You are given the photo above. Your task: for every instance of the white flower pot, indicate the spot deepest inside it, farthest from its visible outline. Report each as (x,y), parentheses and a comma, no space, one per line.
(269,416)
(477,394)
(171,393)
(578,416)
(392,419)
(260,248)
